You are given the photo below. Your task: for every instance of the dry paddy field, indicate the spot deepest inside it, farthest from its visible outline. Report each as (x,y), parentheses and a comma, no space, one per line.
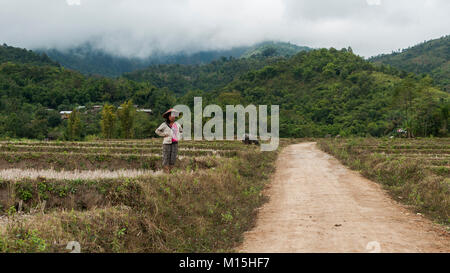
(111,196)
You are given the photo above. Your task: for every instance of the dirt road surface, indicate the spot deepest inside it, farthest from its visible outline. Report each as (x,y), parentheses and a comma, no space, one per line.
(318,205)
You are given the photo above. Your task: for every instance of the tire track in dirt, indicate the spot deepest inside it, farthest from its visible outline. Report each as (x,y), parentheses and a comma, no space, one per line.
(318,205)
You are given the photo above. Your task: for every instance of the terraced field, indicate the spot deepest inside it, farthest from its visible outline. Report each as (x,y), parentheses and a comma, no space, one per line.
(415,171)
(111,196)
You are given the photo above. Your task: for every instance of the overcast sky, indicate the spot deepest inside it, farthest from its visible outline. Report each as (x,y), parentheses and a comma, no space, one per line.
(142,27)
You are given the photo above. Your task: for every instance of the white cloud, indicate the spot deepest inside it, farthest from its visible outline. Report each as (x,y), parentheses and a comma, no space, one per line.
(374,2)
(73,2)
(143,27)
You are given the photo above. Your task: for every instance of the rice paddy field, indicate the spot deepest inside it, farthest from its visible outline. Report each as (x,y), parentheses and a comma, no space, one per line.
(415,172)
(111,196)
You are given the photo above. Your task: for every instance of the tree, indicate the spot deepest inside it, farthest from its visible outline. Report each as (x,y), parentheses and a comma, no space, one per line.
(144,126)
(404,95)
(108,121)
(426,116)
(330,70)
(126,114)
(444,112)
(74,126)
(270,51)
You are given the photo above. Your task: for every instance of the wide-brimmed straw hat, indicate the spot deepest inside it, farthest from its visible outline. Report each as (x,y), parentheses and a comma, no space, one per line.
(168,112)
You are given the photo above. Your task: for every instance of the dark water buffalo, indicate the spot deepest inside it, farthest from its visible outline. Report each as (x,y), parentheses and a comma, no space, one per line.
(248,141)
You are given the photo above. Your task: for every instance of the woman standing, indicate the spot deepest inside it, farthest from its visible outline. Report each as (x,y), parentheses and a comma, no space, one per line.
(171,131)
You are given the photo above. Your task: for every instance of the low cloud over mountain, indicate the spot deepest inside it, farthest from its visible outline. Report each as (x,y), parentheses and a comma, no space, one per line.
(138,28)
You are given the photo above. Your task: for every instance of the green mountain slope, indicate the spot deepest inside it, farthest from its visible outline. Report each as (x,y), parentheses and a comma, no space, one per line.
(336,92)
(93,62)
(270,48)
(32,96)
(205,77)
(218,73)
(23,56)
(90,61)
(320,92)
(431,57)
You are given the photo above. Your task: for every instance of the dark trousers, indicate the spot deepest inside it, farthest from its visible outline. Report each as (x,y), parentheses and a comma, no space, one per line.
(170,152)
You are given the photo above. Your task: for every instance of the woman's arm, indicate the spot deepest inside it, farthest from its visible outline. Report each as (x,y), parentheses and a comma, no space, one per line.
(160,131)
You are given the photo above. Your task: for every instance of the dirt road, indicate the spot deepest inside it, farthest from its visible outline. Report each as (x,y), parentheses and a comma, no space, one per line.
(318,205)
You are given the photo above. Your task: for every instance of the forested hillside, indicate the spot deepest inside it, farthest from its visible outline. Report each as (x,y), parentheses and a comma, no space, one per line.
(216,74)
(270,48)
(336,92)
(23,56)
(91,61)
(431,57)
(321,92)
(32,96)
(206,77)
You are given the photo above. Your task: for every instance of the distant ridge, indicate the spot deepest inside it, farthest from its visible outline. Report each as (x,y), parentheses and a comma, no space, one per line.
(91,61)
(24,56)
(271,48)
(430,57)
